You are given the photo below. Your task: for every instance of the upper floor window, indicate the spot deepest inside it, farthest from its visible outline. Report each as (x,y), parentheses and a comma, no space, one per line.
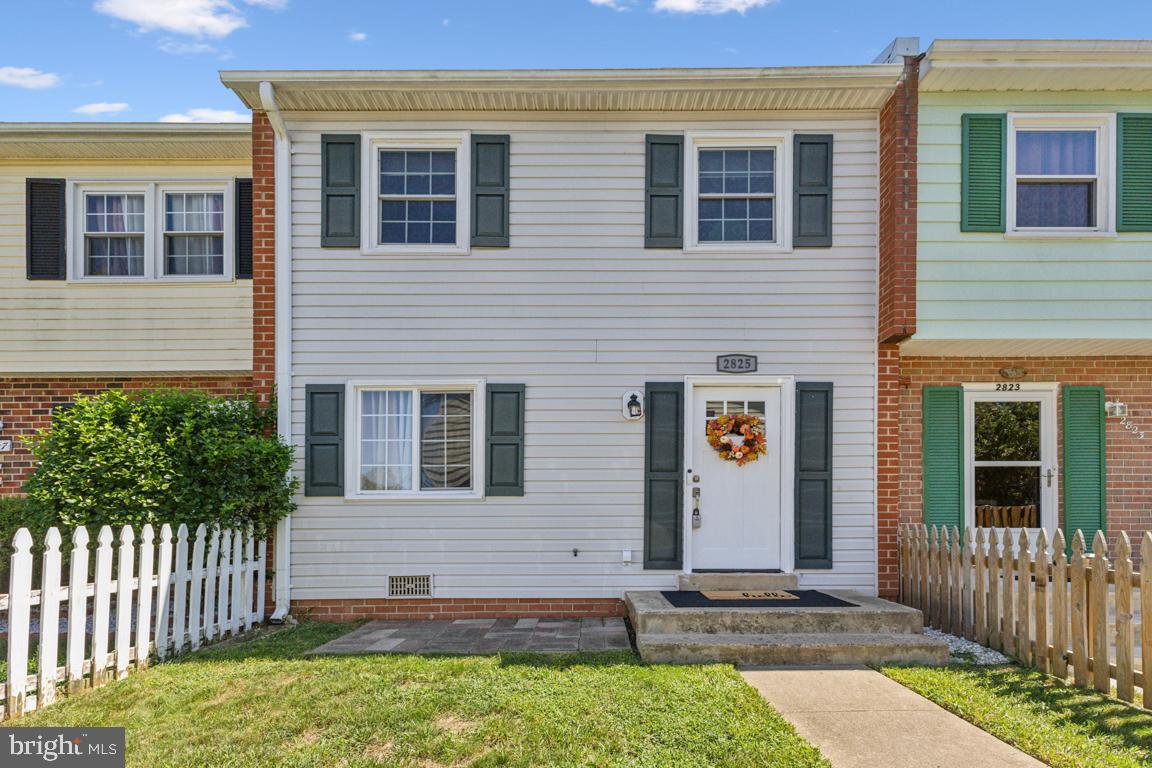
(734,194)
(1059,173)
(114,235)
(416,203)
(148,230)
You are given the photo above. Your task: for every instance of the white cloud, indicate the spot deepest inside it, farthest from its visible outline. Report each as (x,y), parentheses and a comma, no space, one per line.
(709,6)
(102,108)
(198,18)
(27,77)
(688,6)
(207,115)
(357,37)
(179,47)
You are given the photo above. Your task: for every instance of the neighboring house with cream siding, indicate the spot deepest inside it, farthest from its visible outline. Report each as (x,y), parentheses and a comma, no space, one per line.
(123,263)
(508,304)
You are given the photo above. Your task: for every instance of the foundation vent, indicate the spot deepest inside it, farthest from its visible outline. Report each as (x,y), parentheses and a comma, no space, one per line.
(410,586)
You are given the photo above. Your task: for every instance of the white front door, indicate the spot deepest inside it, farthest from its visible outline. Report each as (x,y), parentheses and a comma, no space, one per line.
(739,506)
(1010,457)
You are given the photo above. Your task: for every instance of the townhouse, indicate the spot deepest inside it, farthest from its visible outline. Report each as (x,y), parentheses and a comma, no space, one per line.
(125,253)
(1016,328)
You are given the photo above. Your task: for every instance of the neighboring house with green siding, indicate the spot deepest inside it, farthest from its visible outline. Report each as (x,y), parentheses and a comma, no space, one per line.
(1025,347)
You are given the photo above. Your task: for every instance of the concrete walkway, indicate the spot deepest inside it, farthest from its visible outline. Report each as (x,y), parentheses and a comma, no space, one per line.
(860,719)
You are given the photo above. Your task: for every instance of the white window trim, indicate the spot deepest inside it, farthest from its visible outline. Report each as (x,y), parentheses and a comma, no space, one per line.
(352,445)
(1044,392)
(375,141)
(153,191)
(1105,127)
(781,141)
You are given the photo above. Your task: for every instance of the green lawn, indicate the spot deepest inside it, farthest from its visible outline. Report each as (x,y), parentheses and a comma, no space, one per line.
(1061,725)
(264,703)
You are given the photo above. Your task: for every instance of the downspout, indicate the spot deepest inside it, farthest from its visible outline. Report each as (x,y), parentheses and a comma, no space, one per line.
(283,307)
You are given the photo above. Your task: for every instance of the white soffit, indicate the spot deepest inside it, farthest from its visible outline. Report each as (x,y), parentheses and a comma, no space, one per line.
(126,141)
(656,90)
(1037,65)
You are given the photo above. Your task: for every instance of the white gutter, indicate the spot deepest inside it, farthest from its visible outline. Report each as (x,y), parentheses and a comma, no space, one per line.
(283,277)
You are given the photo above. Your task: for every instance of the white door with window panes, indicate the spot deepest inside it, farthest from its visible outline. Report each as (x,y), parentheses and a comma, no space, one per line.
(739,506)
(1010,457)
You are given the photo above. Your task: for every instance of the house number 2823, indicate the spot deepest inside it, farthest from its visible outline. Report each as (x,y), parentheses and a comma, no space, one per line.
(1008,387)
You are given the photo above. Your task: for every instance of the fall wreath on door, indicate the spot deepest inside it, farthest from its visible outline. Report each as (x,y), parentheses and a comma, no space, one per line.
(737,437)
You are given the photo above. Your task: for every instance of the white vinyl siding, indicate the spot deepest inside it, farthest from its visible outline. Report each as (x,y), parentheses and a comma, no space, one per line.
(50,326)
(580,312)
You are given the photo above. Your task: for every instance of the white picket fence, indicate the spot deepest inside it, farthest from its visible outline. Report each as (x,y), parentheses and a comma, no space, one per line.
(164,602)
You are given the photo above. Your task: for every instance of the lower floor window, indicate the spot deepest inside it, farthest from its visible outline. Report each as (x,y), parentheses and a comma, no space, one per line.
(415,440)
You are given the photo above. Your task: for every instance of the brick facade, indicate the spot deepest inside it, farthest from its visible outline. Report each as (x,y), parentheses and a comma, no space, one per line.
(1129,457)
(897,241)
(263,257)
(26,405)
(457,608)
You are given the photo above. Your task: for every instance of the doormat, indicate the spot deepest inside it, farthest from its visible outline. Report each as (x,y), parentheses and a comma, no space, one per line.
(764,594)
(798,598)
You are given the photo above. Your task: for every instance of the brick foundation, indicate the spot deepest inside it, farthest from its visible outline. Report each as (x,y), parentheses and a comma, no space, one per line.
(457,608)
(26,405)
(1129,458)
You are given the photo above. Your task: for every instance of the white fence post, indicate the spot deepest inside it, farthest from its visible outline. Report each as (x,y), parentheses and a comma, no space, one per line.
(210,586)
(237,580)
(77,609)
(222,595)
(163,591)
(125,571)
(49,618)
(144,596)
(249,573)
(261,574)
(19,619)
(102,605)
(180,601)
(195,617)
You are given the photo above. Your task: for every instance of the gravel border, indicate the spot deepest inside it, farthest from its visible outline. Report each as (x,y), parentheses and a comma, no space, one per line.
(967,652)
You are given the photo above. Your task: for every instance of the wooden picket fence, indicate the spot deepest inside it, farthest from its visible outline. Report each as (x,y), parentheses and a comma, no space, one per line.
(137,602)
(1036,604)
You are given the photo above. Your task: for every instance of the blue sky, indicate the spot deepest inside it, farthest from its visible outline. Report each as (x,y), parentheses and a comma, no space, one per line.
(157,59)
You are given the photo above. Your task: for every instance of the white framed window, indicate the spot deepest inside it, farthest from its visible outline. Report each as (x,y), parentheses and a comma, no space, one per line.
(147,230)
(737,192)
(416,439)
(417,197)
(1060,174)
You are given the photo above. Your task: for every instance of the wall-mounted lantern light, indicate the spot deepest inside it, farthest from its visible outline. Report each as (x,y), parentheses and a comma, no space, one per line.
(633,405)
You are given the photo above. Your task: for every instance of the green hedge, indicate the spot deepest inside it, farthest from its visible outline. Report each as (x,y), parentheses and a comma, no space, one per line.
(161,456)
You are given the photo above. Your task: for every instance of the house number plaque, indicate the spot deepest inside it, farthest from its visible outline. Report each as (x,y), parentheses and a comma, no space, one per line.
(737,363)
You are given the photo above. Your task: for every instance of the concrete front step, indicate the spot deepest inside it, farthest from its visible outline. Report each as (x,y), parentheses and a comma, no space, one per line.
(791,649)
(700,582)
(651,614)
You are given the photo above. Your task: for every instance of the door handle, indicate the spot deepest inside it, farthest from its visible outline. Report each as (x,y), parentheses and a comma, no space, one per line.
(1048,476)
(696,519)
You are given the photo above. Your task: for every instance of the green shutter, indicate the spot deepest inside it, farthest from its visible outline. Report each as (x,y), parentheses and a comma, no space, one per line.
(982,169)
(812,191)
(1084,463)
(340,190)
(664,191)
(324,440)
(943,455)
(504,440)
(813,475)
(490,171)
(664,475)
(44,210)
(243,227)
(1134,173)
